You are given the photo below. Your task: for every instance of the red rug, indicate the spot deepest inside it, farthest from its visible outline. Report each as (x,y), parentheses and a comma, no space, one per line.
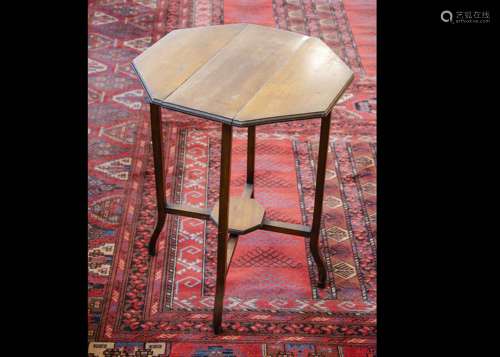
(163,307)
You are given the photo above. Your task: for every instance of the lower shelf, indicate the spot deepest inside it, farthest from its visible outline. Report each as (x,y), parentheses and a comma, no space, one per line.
(245,215)
(239,210)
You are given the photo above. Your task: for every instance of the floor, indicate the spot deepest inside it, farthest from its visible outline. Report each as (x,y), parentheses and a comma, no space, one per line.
(286,316)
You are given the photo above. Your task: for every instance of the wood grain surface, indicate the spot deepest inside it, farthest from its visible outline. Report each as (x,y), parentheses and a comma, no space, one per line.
(172,60)
(245,214)
(242,74)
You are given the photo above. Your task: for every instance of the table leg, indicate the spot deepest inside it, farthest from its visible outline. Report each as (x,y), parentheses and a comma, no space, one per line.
(156,137)
(318,199)
(251,158)
(225,175)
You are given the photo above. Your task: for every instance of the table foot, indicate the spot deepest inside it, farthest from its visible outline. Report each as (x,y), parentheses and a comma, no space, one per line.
(152,242)
(319,262)
(217,329)
(321,284)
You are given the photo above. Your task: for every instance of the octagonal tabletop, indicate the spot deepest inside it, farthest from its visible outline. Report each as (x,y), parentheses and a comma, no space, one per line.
(243,74)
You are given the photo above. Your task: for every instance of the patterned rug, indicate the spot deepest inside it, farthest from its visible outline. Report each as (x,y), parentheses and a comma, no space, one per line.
(163,306)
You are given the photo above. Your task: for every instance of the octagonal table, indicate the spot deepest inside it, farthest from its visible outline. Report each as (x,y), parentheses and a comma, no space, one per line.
(241,75)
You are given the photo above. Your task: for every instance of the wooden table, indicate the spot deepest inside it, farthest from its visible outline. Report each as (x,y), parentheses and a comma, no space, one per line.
(241,75)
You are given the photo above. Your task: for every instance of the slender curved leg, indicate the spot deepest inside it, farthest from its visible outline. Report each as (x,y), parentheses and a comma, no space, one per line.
(251,158)
(156,137)
(225,175)
(318,200)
